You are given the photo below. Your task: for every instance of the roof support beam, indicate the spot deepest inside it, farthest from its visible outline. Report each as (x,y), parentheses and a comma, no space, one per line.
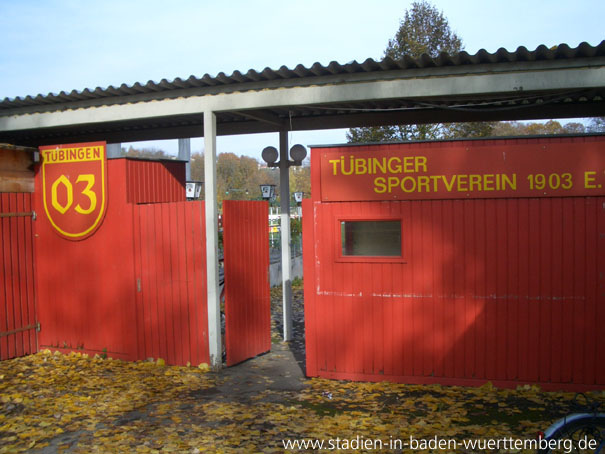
(286,257)
(214,308)
(264,117)
(185,155)
(487,83)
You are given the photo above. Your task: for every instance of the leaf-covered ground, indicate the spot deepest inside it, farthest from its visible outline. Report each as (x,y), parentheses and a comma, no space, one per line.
(70,403)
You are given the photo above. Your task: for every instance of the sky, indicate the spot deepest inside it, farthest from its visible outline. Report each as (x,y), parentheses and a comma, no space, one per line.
(49,46)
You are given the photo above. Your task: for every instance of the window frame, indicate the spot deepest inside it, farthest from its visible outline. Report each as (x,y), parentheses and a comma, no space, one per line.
(366,258)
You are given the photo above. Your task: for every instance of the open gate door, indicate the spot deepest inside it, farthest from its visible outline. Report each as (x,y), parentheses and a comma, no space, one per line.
(247,297)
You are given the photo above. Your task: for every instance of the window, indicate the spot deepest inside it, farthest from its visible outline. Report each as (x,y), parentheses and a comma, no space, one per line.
(370,238)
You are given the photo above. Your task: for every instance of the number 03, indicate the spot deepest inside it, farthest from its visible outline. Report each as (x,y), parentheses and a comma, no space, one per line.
(89,179)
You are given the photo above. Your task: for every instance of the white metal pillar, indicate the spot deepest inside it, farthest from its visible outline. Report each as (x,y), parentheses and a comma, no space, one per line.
(284,194)
(214,308)
(114,150)
(185,155)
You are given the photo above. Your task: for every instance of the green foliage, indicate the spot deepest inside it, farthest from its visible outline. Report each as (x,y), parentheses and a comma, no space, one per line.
(423,30)
(300,179)
(516,128)
(295,228)
(471,129)
(297,283)
(147,153)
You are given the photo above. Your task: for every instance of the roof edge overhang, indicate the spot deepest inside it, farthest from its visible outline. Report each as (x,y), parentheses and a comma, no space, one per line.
(488,89)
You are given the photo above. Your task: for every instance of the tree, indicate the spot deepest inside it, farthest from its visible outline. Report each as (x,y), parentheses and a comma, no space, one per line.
(147,153)
(516,128)
(597,124)
(469,129)
(423,30)
(300,179)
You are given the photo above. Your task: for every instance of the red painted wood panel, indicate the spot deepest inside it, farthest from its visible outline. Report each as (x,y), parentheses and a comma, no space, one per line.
(154,181)
(247,298)
(86,289)
(17,302)
(507,290)
(136,288)
(170,271)
(309,250)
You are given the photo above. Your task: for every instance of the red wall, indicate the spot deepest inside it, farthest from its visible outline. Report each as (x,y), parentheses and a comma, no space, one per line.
(506,290)
(86,288)
(154,181)
(88,291)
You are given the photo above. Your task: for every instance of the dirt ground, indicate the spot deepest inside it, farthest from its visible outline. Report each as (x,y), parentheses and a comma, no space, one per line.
(74,404)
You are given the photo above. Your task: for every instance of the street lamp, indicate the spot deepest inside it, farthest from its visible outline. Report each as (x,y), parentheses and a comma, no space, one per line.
(298,153)
(193,189)
(267,191)
(270,155)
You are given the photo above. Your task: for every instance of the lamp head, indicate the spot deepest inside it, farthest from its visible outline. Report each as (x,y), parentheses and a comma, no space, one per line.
(298,153)
(270,155)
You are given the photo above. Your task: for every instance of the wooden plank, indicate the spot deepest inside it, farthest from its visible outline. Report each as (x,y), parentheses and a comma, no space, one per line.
(470,303)
(545,291)
(579,306)
(524,303)
(459,289)
(491,291)
(16,170)
(512,289)
(427,289)
(600,298)
(567,289)
(448,287)
(533,286)
(310,289)
(592,331)
(480,289)
(557,324)
(501,295)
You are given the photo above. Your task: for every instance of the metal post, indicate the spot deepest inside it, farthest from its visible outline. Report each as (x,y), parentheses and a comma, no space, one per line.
(214,308)
(114,150)
(284,194)
(185,155)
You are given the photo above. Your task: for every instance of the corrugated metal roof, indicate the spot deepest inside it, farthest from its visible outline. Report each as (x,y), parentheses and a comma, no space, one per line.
(302,73)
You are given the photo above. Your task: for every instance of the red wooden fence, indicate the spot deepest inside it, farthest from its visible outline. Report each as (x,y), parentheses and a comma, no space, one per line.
(507,289)
(247,299)
(503,290)
(170,272)
(17,303)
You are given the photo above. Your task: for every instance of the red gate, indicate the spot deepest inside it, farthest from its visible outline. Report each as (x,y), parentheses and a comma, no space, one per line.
(247,299)
(170,267)
(17,317)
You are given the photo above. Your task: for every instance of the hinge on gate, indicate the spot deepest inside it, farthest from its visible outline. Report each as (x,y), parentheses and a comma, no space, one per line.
(34,215)
(18,215)
(20,330)
(139,285)
(38,327)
